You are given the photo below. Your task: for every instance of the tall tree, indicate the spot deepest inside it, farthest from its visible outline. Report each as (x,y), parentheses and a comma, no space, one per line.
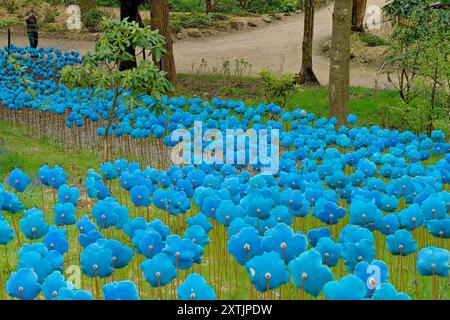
(339,80)
(306,75)
(159,11)
(358,12)
(98,69)
(129,10)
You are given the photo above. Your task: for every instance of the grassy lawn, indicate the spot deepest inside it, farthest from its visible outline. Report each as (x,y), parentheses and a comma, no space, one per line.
(18,149)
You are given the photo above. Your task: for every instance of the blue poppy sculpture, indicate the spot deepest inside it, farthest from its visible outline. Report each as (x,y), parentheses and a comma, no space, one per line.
(344,215)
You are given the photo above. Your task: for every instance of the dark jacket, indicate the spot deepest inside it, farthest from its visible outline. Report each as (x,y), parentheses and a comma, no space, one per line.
(31,20)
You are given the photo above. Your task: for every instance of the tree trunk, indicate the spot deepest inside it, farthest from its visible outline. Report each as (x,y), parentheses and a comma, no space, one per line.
(105,157)
(129,9)
(86,5)
(111,117)
(159,10)
(339,80)
(433,101)
(306,75)
(358,12)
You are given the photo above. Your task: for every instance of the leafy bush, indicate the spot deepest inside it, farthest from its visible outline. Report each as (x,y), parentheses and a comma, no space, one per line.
(259,6)
(8,22)
(187,5)
(400,9)
(278,89)
(63,2)
(372,40)
(143,78)
(108,3)
(49,13)
(91,20)
(418,56)
(244,7)
(289,6)
(50,16)
(240,7)
(175,26)
(415,116)
(197,20)
(193,20)
(219,16)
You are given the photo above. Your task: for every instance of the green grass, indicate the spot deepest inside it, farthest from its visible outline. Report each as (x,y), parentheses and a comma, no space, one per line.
(18,148)
(366,103)
(372,40)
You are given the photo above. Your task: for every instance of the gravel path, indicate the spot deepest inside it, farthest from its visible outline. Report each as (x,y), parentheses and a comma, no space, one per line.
(275,46)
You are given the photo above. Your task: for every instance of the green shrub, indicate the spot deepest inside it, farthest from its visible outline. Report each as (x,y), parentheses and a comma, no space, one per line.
(193,20)
(246,7)
(108,3)
(219,16)
(63,2)
(50,14)
(289,6)
(175,26)
(415,116)
(372,40)
(198,20)
(278,89)
(91,20)
(8,22)
(187,5)
(417,56)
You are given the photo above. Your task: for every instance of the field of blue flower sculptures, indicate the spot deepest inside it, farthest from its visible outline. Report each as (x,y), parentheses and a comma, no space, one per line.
(352,213)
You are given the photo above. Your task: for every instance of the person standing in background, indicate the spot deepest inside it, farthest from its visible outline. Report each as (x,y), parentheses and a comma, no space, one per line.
(32,27)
